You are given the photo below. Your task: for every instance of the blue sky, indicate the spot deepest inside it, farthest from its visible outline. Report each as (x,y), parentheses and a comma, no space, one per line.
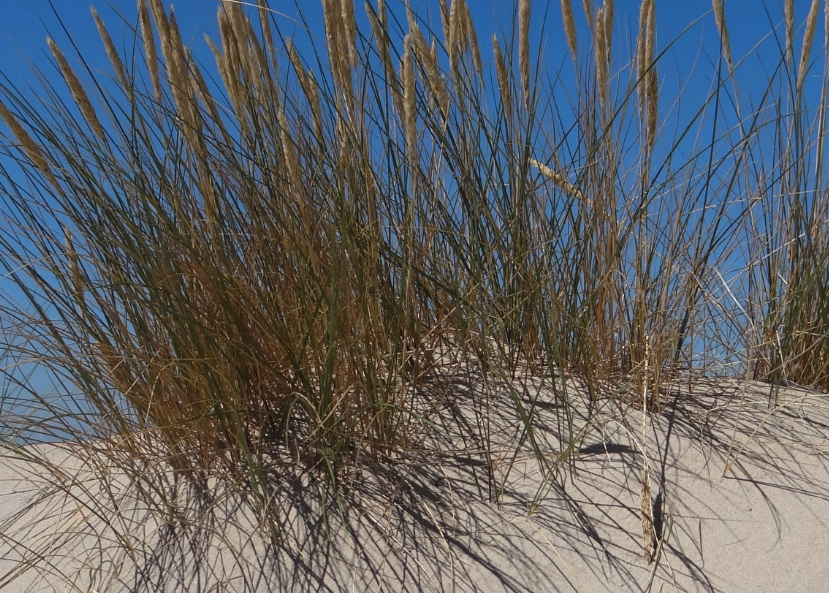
(26,23)
(687,25)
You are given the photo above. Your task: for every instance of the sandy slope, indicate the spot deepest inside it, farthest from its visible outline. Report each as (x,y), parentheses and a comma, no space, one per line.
(442,523)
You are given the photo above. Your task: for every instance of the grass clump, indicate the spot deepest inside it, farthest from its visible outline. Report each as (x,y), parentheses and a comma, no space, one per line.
(268,268)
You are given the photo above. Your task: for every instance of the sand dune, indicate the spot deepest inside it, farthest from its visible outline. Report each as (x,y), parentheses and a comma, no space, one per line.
(741,490)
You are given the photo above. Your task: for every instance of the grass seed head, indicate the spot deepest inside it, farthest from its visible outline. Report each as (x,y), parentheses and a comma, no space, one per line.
(150,50)
(608,26)
(524,47)
(653,103)
(602,59)
(434,78)
(409,95)
(472,37)
(444,18)
(644,52)
(109,48)
(29,146)
(503,77)
(267,33)
(569,27)
(719,17)
(349,20)
(808,39)
(788,17)
(178,75)
(455,28)
(77,91)
(381,39)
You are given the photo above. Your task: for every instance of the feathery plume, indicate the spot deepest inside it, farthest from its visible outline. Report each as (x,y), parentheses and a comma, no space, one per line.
(177,74)
(409,95)
(444,19)
(296,62)
(524,47)
(454,37)
(160,19)
(308,84)
(377,21)
(31,149)
(560,180)
(314,99)
(434,80)
(503,78)
(719,17)
(808,38)
(788,16)
(349,27)
(602,59)
(472,38)
(203,93)
(77,90)
(653,102)
(162,25)
(644,51)
(337,43)
(647,82)
(288,147)
(608,27)
(109,47)
(569,26)
(588,14)
(217,55)
(231,60)
(651,37)
(150,49)
(267,33)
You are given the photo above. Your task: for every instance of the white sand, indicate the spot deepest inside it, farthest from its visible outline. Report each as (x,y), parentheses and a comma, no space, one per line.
(764,526)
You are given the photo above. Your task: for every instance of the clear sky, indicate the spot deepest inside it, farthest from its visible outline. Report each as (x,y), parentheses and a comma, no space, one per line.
(25,24)
(687,26)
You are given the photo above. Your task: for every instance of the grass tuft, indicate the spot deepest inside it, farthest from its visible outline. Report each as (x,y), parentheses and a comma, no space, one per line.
(258,272)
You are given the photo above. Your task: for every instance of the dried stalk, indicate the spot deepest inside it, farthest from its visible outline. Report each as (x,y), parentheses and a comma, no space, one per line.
(560,180)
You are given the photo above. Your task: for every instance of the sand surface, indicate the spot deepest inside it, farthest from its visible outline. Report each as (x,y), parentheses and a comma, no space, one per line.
(743,485)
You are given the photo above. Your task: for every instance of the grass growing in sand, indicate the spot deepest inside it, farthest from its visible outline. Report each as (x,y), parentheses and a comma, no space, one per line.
(243,270)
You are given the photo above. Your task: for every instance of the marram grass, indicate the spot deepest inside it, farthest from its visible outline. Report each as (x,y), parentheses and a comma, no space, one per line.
(265,263)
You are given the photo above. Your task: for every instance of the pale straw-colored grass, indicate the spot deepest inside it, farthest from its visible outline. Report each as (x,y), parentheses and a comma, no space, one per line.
(149,47)
(77,91)
(524,10)
(263,271)
(109,48)
(569,27)
(719,18)
(26,142)
(806,49)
